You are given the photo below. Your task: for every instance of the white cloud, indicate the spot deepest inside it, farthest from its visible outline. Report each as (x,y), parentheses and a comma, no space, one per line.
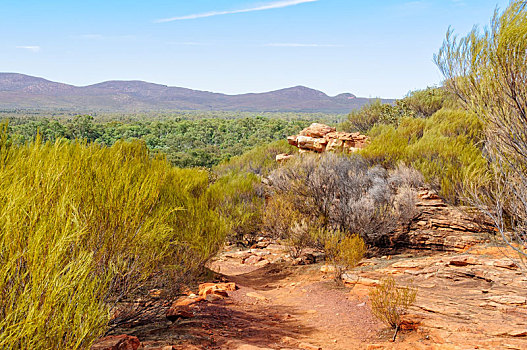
(32,48)
(300,45)
(89,36)
(268,6)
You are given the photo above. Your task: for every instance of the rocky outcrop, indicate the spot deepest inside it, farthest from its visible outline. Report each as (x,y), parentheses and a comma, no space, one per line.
(439,226)
(320,138)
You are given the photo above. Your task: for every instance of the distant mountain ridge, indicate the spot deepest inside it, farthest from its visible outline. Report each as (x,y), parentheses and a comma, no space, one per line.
(19,91)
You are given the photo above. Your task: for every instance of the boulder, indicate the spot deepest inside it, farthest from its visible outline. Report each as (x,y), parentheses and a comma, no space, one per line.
(219,289)
(117,342)
(320,138)
(283,157)
(317,130)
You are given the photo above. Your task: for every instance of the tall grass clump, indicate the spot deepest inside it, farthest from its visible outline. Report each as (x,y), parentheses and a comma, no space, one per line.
(82,226)
(260,160)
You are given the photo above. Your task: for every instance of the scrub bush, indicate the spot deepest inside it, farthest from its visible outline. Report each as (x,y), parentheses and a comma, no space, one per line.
(82,226)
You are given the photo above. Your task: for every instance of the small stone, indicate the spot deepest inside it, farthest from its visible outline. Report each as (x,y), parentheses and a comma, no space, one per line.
(252,260)
(463,261)
(179,312)
(327,269)
(117,342)
(308,346)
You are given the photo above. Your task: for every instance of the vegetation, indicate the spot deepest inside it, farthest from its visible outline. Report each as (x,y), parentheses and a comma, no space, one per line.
(390,301)
(488,72)
(343,251)
(336,193)
(187,143)
(83,226)
(445,148)
(260,160)
(418,104)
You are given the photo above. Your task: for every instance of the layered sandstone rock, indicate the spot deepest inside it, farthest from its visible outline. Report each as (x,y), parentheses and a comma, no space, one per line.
(320,138)
(442,227)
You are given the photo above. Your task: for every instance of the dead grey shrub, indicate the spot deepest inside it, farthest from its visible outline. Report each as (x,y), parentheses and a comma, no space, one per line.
(343,193)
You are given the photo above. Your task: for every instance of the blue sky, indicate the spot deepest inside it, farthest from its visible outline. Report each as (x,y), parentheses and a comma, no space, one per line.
(369,48)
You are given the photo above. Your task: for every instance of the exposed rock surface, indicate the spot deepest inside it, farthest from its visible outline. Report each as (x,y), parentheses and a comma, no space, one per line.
(439,226)
(117,342)
(320,138)
(282,157)
(466,300)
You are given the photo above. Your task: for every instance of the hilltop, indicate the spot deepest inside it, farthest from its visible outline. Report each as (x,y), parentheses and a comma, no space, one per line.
(19,91)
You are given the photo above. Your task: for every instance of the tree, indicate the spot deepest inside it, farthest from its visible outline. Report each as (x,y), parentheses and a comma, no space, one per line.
(487,70)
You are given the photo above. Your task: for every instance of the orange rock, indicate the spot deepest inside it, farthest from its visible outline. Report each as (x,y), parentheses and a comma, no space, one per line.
(317,130)
(179,312)
(216,288)
(410,322)
(253,259)
(185,301)
(463,261)
(117,342)
(320,138)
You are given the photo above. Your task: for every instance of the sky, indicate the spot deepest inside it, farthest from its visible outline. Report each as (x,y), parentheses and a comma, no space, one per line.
(371,48)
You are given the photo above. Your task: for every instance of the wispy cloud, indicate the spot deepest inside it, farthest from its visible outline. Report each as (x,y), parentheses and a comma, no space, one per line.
(267,6)
(32,48)
(88,36)
(300,45)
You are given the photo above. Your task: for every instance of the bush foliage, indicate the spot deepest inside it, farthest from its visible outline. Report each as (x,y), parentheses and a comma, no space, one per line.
(445,148)
(390,301)
(83,225)
(487,70)
(336,193)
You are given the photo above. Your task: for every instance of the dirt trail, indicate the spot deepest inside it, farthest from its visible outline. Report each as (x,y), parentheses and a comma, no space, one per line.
(466,300)
(296,307)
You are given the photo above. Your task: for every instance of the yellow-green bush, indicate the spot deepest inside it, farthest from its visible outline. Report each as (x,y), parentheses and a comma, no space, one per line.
(259,160)
(82,226)
(343,251)
(390,301)
(445,148)
(238,200)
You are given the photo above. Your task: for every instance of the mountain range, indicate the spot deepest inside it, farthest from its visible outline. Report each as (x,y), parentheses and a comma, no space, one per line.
(19,91)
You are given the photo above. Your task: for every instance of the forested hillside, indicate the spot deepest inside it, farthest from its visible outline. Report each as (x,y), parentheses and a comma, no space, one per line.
(19,91)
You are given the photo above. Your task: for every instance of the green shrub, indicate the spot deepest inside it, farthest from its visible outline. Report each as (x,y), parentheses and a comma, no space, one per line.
(343,251)
(390,301)
(487,69)
(424,103)
(82,226)
(372,114)
(417,104)
(239,201)
(445,148)
(260,160)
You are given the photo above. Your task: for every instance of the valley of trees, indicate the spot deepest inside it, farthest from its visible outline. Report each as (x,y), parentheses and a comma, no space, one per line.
(97,209)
